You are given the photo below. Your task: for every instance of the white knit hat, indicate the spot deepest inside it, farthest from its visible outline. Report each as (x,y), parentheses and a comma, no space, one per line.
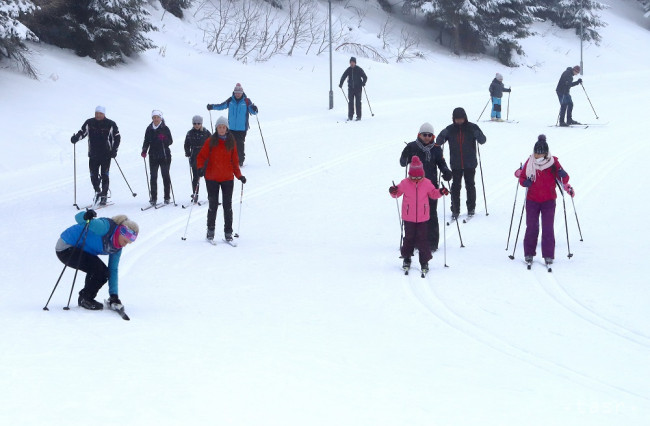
(156,112)
(101,109)
(499,77)
(426,128)
(222,120)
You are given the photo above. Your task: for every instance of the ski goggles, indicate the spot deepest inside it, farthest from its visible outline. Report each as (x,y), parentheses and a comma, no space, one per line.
(128,233)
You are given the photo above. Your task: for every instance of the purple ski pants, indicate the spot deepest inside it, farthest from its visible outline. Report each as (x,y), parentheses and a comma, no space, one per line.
(416,235)
(533,211)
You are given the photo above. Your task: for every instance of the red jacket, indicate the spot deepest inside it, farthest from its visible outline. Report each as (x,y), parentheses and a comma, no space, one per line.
(222,164)
(543,188)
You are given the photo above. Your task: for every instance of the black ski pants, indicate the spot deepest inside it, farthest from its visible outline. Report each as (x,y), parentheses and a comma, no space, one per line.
(195,175)
(240,138)
(163,164)
(96,271)
(434,229)
(354,100)
(457,185)
(99,167)
(226,188)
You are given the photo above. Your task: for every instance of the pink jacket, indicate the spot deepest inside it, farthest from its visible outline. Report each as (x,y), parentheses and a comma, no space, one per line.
(543,188)
(415,207)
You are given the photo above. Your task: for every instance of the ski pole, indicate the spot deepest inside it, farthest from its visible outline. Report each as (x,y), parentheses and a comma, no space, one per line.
(592,106)
(566,224)
(577,221)
(196,194)
(172,188)
(74,151)
(457,225)
(127,182)
(81,251)
(401,223)
(508,107)
(241,197)
(263,144)
(211,129)
(513,211)
(147,174)
(368,100)
(482,183)
(346,98)
(444,228)
(512,256)
(486,104)
(65,265)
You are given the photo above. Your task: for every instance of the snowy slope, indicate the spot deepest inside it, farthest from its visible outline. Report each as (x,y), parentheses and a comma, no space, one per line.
(310,321)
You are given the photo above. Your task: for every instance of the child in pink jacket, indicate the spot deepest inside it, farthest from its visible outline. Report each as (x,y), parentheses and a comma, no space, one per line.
(415,212)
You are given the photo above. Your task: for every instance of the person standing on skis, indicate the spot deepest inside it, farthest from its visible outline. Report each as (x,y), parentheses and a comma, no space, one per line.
(563,88)
(194,141)
(157,139)
(496,93)
(357,79)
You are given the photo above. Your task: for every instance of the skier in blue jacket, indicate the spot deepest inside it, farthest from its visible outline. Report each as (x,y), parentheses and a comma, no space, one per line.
(80,245)
(239,107)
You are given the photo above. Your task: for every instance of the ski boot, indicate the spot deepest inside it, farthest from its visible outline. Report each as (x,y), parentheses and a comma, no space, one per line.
(87,302)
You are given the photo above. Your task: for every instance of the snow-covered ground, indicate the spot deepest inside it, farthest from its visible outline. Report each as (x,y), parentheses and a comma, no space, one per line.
(309,321)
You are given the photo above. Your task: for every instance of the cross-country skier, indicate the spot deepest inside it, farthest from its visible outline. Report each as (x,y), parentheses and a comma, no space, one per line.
(357,79)
(194,141)
(462,137)
(157,139)
(563,88)
(432,159)
(496,93)
(417,191)
(219,163)
(80,245)
(239,107)
(103,142)
(539,174)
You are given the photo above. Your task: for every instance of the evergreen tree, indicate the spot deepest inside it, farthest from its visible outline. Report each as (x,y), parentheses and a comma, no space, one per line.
(645,4)
(13,33)
(569,14)
(105,30)
(175,7)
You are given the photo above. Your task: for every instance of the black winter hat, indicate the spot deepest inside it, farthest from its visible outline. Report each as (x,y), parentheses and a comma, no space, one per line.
(541,147)
(353,59)
(459,113)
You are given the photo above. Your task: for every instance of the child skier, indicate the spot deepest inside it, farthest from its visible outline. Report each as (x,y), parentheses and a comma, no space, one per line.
(539,174)
(415,212)
(496,93)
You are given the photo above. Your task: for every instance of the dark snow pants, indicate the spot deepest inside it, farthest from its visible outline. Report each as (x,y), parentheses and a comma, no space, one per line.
(240,138)
(213,188)
(415,236)
(354,100)
(434,228)
(533,212)
(96,271)
(99,167)
(566,107)
(163,164)
(457,185)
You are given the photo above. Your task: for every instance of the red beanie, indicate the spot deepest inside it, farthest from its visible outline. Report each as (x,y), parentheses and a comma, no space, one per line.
(416,169)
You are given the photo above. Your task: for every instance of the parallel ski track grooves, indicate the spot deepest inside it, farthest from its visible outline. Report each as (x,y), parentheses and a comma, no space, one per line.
(426,295)
(552,287)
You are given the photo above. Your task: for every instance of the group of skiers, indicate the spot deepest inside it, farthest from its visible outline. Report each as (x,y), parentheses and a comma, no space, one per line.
(218,157)
(425,160)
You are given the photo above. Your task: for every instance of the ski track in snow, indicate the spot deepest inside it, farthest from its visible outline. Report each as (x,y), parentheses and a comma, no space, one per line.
(424,292)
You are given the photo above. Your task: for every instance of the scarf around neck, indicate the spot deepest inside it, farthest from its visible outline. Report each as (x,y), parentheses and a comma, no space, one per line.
(533,167)
(425,148)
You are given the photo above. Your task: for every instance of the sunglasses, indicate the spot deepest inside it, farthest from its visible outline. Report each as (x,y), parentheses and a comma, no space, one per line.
(416,177)
(197,124)
(129,234)
(427,135)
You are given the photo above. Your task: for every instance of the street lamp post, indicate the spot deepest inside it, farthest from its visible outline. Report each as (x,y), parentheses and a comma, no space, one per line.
(331,92)
(582,36)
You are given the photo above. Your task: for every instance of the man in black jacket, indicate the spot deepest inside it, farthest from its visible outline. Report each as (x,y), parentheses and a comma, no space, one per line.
(103,142)
(462,137)
(563,87)
(432,160)
(194,141)
(356,80)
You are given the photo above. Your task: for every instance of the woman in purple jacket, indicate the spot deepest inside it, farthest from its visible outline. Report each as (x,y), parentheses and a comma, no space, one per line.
(415,212)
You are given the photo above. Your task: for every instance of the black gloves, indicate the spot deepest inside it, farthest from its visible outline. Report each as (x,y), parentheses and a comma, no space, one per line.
(113,154)
(242,179)
(201,171)
(254,108)
(528,182)
(341,85)
(90,215)
(446,175)
(444,191)
(74,138)
(579,81)
(392,190)
(209,107)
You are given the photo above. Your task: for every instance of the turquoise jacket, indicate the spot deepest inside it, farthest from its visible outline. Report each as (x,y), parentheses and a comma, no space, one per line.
(99,240)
